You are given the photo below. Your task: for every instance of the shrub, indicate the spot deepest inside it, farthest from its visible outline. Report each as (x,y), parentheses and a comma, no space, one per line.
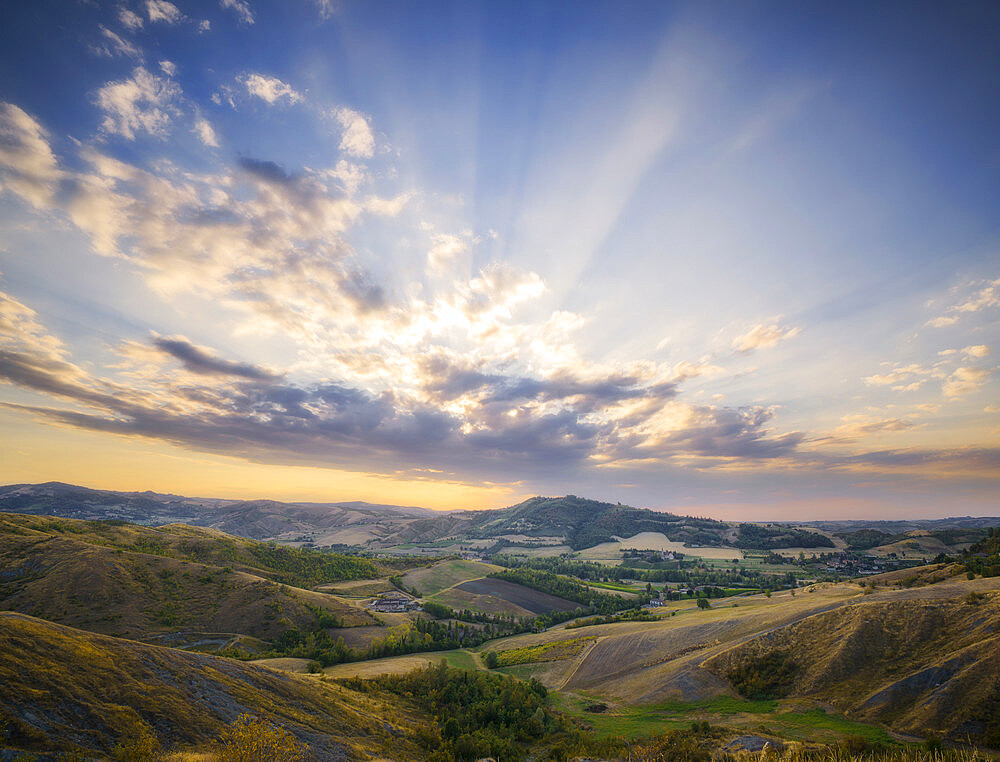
(139,746)
(254,739)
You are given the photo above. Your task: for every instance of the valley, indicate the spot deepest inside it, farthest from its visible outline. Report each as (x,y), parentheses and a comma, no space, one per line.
(630,639)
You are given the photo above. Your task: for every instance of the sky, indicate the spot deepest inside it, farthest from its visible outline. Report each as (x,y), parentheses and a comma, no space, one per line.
(738,260)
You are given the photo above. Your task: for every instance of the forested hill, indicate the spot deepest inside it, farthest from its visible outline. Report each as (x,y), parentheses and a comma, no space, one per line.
(584,523)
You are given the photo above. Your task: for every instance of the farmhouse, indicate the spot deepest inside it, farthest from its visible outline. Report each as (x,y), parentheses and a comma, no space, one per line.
(394,603)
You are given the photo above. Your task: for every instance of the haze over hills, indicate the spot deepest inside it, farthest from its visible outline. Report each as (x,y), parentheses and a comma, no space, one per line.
(578,523)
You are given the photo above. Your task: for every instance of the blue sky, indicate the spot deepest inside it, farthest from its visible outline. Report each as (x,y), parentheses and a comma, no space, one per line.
(740,260)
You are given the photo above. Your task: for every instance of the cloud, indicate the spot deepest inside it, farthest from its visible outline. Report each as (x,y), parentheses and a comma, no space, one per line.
(142,103)
(270,89)
(954,459)
(964,381)
(357,138)
(242,9)
(113,45)
(325,7)
(129,19)
(896,376)
(202,360)
(977,351)
(164,11)
(445,251)
(203,129)
(168,67)
(942,322)
(27,165)
(762,336)
(857,427)
(980,295)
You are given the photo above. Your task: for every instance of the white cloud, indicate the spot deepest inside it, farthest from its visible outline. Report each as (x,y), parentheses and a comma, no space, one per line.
(27,164)
(980,295)
(964,381)
(242,9)
(977,351)
(113,45)
(762,336)
(168,67)
(387,207)
(204,25)
(129,19)
(895,376)
(325,8)
(270,89)
(163,10)
(445,251)
(205,133)
(942,322)
(142,103)
(357,138)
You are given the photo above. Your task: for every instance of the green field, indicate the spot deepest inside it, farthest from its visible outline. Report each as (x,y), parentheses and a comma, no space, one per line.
(444,574)
(787,719)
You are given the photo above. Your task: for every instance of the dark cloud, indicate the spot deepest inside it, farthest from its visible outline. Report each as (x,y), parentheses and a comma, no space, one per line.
(268,171)
(197,360)
(735,433)
(968,457)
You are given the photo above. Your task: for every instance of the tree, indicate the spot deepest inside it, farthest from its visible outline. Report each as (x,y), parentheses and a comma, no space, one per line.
(704,604)
(491,659)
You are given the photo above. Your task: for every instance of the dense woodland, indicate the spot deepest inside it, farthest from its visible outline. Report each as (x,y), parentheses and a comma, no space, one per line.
(479,714)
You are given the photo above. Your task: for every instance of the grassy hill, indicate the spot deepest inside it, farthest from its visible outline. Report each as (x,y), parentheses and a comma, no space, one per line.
(64,689)
(919,665)
(584,523)
(126,580)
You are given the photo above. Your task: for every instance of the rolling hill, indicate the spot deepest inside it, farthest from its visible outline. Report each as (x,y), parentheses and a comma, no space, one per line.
(63,689)
(178,581)
(917,665)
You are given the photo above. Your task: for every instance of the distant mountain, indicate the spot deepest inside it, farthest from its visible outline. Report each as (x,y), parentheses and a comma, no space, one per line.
(347,523)
(901,526)
(583,523)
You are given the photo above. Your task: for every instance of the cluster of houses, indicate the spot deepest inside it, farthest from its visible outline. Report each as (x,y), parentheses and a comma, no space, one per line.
(394,603)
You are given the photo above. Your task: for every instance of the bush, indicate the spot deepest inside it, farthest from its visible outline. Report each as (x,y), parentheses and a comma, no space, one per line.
(492,659)
(254,739)
(139,746)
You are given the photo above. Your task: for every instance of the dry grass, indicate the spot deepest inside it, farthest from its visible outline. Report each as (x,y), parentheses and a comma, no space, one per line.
(64,689)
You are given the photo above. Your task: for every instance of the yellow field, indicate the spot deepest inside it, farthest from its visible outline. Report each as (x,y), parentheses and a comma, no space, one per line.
(392,665)
(612,551)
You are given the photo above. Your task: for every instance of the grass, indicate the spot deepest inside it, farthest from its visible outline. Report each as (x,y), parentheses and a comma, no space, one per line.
(612,586)
(817,724)
(786,719)
(444,574)
(63,689)
(554,651)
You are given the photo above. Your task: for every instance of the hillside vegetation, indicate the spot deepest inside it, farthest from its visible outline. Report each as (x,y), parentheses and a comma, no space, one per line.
(65,689)
(917,665)
(584,523)
(126,580)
